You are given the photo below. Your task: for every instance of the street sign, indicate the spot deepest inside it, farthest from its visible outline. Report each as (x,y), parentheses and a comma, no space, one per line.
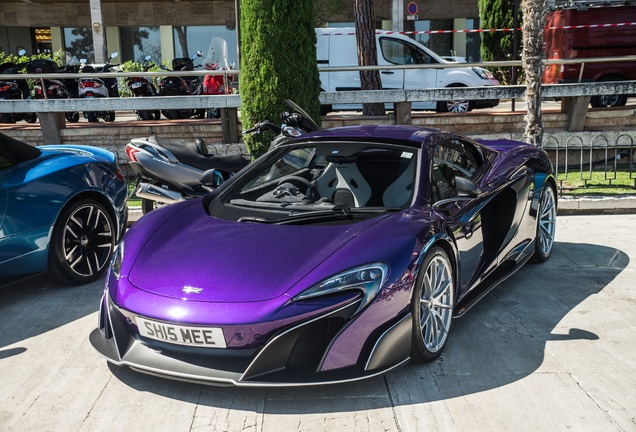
(412,8)
(411,17)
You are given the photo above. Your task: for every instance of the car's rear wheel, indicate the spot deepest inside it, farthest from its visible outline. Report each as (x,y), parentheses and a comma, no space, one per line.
(432,306)
(82,243)
(608,101)
(546,225)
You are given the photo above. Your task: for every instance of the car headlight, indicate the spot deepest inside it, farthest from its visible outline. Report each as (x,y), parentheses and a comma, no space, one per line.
(368,278)
(118,257)
(483,73)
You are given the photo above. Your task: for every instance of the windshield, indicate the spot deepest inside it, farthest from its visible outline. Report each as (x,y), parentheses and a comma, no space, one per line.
(326,178)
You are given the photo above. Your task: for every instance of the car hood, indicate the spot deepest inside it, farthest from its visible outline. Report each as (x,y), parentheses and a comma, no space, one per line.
(197,257)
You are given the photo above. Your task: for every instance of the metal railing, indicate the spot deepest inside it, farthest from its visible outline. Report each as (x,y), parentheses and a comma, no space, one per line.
(599,162)
(344,97)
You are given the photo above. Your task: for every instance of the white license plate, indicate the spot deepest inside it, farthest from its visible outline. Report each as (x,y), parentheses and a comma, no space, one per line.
(136,84)
(209,337)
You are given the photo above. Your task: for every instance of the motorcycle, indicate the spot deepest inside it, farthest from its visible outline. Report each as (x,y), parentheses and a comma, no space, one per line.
(92,87)
(181,86)
(144,87)
(170,171)
(50,88)
(14,89)
(294,123)
(216,59)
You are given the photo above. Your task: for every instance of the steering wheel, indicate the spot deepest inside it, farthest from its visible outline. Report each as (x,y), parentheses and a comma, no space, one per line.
(313,192)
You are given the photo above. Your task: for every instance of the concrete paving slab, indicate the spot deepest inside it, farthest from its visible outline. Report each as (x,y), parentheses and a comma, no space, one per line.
(553,348)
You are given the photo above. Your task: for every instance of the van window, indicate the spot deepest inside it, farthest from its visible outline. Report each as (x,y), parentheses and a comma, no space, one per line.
(402,53)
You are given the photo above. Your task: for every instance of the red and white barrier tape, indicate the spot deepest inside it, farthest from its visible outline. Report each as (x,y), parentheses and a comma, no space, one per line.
(493,30)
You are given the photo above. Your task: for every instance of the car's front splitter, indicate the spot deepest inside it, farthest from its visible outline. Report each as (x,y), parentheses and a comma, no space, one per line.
(291,358)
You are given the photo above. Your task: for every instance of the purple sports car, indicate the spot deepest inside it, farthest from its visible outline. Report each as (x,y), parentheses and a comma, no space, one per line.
(337,256)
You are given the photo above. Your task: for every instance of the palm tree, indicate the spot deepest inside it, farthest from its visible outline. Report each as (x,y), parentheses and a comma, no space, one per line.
(532,57)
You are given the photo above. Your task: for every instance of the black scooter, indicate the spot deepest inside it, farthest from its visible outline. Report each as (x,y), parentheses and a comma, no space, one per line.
(144,87)
(182,86)
(52,88)
(170,171)
(15,89)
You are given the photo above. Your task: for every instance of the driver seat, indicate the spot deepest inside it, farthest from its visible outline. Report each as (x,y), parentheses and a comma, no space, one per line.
(343,184)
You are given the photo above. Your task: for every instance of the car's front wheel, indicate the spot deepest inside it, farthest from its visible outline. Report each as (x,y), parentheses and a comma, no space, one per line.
(432,306)
(546,225)
(82,243)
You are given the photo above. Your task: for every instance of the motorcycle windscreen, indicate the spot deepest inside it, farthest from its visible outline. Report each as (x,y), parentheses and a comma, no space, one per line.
(217,53)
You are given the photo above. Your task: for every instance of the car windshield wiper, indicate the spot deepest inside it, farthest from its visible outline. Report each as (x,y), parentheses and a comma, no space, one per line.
(336,213)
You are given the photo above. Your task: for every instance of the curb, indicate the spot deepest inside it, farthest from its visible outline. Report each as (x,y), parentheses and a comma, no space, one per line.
(596,205)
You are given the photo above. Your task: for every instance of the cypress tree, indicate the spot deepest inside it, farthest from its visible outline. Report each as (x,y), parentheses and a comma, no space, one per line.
(277,62)
(498,46)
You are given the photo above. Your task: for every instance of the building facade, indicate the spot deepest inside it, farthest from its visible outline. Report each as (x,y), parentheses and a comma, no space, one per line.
(168,29)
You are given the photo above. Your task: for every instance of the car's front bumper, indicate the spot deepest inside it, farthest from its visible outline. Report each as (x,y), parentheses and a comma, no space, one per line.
(293,356)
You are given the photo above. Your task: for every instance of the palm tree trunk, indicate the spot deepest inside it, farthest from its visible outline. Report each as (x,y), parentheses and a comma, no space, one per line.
(532,56)
(367,53)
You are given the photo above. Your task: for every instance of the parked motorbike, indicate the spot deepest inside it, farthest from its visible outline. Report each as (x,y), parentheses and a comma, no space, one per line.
(294,123)
(12,90)
(170,171)
(144,87)
(216,59)
(50,88)
(92,87)
(182,86)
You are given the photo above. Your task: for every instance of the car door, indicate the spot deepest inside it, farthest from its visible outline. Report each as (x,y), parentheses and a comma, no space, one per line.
(451,158)
(393,51)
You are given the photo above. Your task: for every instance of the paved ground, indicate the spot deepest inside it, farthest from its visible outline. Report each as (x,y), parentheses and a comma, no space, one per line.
(551,349)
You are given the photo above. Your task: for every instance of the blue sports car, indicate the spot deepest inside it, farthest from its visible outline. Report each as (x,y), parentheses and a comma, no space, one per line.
(62,210)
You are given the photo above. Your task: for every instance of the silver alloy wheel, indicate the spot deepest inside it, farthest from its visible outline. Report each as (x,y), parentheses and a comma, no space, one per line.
(547,221)
(457,106)
(87,240)
(436,303)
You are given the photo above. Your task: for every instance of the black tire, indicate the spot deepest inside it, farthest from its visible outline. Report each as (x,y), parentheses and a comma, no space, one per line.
(30,117)
(608,101)
(6,118)
(200,114)
(546,225)
(432,306)
(110,116)
(82,243)
(72,117)
(92,117)
(146,115)
(157,114)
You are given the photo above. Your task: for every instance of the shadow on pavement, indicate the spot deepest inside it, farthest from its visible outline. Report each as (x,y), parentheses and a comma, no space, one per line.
(501,340)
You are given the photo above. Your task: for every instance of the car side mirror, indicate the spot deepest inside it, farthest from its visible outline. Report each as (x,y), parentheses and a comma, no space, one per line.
(211,178)
(466,187)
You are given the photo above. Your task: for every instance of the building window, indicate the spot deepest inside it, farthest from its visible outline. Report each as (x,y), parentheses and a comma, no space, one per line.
(138,42)
(78,43)
(190,39)
(473,41)
(442,43)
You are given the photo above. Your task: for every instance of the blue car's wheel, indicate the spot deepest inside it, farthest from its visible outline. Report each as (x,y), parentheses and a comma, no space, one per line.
(432,306)
(546,225)
(82,243)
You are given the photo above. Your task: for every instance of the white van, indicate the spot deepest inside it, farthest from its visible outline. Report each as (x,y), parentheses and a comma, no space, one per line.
(337,47)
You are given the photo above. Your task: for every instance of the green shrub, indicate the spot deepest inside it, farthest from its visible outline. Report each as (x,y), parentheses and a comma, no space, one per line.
(277,62)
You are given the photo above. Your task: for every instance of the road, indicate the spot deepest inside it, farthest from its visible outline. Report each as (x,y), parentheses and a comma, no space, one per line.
(551,349)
